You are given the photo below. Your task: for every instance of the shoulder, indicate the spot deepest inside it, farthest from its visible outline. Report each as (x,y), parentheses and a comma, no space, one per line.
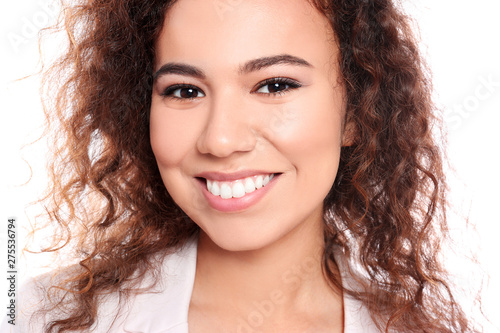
(162,300)
(161,306)
(164,308)
(39,302)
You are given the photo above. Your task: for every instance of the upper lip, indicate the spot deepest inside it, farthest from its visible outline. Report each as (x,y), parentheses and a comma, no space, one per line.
(231,176)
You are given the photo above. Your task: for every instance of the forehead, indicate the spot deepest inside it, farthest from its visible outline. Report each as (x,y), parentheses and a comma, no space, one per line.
(237,30)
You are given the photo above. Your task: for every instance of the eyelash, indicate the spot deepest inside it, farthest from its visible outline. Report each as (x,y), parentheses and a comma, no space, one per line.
(292,84)
(169,91)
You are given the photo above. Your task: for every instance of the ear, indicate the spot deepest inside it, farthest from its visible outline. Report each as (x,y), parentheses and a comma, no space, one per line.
(350,134)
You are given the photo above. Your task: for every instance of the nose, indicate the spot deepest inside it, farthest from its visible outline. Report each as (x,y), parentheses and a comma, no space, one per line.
(229,127)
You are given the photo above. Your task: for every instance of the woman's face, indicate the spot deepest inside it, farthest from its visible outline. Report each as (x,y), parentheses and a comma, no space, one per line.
(246,116)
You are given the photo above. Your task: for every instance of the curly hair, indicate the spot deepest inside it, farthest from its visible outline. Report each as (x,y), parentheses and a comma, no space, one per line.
(386,209)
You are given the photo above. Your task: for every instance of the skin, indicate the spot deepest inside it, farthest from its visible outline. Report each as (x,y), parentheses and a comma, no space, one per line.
(248,257)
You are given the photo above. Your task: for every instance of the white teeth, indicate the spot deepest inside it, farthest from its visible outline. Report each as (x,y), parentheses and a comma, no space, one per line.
(258,182)
(249,185)
(265,181)
(215,189)
(225,191)
(238,188)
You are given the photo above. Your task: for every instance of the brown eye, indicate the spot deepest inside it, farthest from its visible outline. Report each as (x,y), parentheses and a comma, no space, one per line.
(188,93)
(183,92)
(277,86)
(273,88)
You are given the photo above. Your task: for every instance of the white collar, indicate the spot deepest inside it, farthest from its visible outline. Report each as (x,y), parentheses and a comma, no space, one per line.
(165,310)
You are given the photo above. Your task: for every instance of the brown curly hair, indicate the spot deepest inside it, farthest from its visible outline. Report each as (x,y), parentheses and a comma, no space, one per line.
(386,209)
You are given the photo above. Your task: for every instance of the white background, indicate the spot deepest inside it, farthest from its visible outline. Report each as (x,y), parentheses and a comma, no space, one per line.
(460,41)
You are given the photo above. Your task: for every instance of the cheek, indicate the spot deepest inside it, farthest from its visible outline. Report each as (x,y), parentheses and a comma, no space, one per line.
(309,127)
(172,138)
(311,142)
(171,135)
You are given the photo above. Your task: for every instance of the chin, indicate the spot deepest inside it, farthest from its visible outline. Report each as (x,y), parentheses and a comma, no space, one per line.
(241,242)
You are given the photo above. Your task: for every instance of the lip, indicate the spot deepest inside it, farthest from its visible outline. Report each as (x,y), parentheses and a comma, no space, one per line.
(234,204)
(232,176)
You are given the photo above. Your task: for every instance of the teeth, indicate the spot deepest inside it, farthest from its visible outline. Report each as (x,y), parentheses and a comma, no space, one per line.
(215,189)
(265,181)
(225,191)
(249,185)
(238,188)
(258,182)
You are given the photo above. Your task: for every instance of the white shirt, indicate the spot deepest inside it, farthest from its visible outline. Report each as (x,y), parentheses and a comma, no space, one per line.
(165,310)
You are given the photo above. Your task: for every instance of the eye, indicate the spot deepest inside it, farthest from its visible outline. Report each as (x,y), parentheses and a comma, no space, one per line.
(183,92)
(277,86)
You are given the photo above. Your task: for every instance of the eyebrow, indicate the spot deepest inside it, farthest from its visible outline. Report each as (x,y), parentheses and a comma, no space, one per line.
(260,63)
(248,67)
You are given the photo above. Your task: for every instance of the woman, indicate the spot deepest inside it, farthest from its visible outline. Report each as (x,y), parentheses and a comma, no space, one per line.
(244,166)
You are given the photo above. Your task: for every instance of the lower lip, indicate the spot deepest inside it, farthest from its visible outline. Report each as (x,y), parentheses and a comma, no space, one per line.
(236,204)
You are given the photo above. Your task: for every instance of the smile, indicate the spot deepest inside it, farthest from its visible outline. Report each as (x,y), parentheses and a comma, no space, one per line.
(238,188)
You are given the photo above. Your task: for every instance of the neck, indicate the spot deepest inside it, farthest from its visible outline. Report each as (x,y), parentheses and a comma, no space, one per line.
(282,278)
